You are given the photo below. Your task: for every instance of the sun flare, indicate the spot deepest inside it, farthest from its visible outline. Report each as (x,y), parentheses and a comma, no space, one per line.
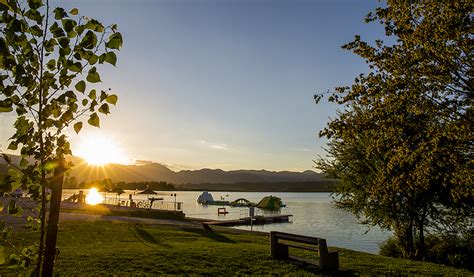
(99,150)
(93,197)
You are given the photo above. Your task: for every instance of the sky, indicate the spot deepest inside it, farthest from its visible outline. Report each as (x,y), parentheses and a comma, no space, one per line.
(224,83)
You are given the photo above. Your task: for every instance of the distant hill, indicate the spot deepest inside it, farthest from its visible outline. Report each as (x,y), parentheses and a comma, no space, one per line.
(212,179)
(158,172)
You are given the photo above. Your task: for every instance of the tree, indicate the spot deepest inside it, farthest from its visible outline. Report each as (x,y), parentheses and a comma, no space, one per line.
(44,53)
(402,147)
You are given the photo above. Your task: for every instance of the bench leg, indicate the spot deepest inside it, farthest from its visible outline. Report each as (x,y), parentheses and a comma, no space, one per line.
(278,251)
(329,261)
(206,226)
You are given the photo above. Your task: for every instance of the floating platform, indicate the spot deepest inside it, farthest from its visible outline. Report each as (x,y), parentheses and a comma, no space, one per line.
(257,220)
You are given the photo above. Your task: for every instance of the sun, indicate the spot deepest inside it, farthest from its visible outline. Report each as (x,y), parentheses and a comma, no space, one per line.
(99,150)
(93,197)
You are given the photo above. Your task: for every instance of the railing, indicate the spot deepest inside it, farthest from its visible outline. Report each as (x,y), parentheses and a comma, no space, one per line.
(145,204)
(141,203)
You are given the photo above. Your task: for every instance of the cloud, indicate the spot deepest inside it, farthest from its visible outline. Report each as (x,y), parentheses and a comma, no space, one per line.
(217,146)
(221,146)
(141,162)
(302,149)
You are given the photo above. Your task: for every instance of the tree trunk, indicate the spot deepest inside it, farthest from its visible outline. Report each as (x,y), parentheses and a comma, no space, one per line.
(42,228)
(421,247)
(406,240)
(53,222)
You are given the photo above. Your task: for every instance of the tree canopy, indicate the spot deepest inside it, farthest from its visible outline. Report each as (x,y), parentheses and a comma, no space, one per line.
(401,148)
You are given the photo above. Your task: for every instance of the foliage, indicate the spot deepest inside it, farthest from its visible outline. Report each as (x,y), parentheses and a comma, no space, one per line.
(44,53)
(451,250)
(98,248)
(401,148)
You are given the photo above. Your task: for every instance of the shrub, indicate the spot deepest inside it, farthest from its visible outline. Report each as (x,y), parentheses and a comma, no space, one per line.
(391,248)
(448,249)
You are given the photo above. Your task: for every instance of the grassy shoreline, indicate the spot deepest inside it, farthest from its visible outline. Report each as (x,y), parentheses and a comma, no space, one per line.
(113,247)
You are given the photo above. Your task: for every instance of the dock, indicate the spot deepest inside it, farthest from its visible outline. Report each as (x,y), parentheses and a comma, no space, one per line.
(257,220)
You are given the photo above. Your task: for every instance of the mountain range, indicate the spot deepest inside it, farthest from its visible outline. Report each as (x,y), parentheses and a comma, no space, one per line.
(159,172)
(83,172)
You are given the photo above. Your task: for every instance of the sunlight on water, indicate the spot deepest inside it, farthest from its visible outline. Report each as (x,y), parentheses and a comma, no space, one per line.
(93,197)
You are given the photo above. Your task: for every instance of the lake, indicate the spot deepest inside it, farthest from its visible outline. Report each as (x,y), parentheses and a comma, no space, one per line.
(313,215)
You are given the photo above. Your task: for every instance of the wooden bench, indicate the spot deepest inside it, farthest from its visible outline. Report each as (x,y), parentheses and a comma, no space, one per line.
(280,242)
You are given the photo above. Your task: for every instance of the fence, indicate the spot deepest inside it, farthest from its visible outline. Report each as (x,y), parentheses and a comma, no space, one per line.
(141,203)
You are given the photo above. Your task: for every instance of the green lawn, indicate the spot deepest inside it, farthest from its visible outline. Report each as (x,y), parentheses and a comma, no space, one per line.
(121,248)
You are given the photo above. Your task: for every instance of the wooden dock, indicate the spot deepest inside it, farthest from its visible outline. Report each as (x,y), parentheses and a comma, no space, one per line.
(257,220)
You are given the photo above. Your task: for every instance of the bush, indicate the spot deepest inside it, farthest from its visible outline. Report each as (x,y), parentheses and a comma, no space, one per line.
(451,250)
(391,248)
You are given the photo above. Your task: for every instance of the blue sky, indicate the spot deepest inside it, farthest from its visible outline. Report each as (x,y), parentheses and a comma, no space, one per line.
(225,83)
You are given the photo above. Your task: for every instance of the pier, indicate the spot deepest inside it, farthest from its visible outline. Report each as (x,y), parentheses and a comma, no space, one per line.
(256,220)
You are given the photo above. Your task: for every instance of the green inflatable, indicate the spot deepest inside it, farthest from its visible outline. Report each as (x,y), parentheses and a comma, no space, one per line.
(270,203)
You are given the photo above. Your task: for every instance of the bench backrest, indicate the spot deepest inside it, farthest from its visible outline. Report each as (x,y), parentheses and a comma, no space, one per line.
(321,243)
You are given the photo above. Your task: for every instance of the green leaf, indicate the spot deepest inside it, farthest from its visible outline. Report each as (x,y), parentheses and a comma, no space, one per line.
(81,86)
(78,127)
(12,146)
(85,102)
(23,162)
(94,25)
(36,31)
(76,67)
(1,209)
(71,34)
(110,57)
(74,11)
(34,15)
(35,4)
(64,51)
(104,108)
(112,99)
(89,40)
(59,13)
(68,25)
(63,41)
(13,173)
(94,120)
(51,65)
(5,109)
(92,94)
(93,76)
(103,95)
(115,41)
(93,59)
(67,116)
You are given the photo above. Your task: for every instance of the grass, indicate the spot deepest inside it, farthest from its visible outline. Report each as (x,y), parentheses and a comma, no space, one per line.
(111,248)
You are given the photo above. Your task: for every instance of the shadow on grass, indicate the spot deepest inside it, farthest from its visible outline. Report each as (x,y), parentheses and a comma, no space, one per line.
(144,236)
(209,234)
(313,268)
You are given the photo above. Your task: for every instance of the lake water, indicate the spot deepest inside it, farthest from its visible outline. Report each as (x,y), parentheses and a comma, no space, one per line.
(313,215)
